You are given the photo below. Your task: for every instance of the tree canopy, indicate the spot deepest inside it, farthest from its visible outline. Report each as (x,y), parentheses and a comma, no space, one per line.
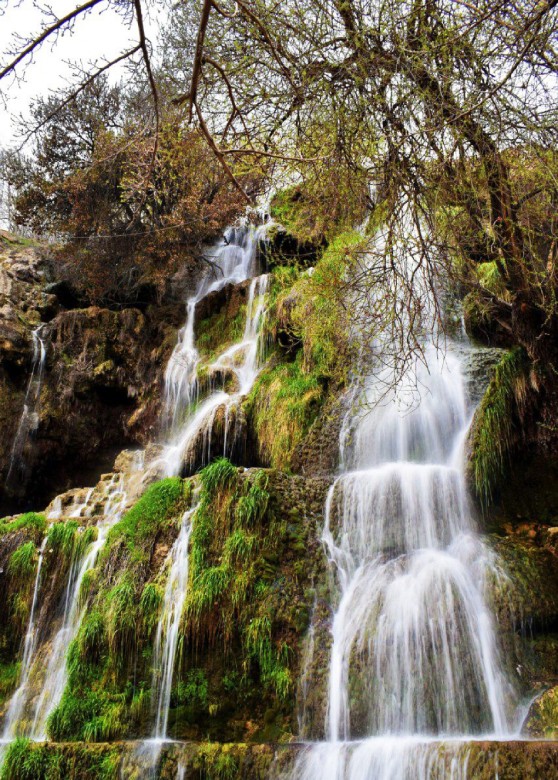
(436,117)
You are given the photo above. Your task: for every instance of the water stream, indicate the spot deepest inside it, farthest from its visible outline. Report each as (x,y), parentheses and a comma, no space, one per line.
(166,641)
(19,699)
(44,675)
(186,416)
(56,673)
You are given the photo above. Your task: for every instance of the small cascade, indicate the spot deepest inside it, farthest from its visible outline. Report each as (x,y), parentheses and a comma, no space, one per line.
(18,700)
(189,419)
(387,758)
(29,420)
(80,509)
(235,262)
(56,671)
(166,641)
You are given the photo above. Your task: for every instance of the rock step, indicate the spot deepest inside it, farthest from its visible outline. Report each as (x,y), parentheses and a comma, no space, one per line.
(477,760)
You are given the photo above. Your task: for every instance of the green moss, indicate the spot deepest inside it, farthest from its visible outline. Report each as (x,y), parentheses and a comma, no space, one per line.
(9,676)
(219,331)
(22,563)
(492,432)
(69,540)
(312,310)
(542,720)
(26,760)
(228,600)
(289,209)
(30,521)
(158,505)
(193,689)
(284,403)
(108,662)
(150,603)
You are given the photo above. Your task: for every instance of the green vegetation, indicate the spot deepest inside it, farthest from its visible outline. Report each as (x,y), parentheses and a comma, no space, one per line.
(69,540)
(9,676)
(230,600)
(140,524)
(312,309)
(309,327)
(218,331)
(284,402)
(30,521)
(22,562)
(26,760)
(108,662)
(493,429)
(542,720)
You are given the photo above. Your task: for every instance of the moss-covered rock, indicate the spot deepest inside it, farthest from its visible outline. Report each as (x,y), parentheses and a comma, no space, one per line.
(542,719)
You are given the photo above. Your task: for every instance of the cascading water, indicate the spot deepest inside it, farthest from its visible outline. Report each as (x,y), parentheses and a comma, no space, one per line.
(29,419)
(56,675)
(166,641)
(186,419)
(235,262)
(50,671)
(414,657)
(19,699)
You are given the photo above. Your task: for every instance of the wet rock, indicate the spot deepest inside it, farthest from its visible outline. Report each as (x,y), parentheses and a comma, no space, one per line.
(228,300)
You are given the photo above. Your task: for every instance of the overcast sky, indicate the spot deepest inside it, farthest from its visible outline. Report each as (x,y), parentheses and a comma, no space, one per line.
(102,33)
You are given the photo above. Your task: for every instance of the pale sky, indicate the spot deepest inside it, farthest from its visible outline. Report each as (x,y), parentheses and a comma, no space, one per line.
(102,33)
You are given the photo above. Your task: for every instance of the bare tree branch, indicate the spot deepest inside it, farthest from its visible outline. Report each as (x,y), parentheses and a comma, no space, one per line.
(36,42)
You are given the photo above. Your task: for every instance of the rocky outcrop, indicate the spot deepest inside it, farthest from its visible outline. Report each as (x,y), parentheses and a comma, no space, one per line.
(482,760)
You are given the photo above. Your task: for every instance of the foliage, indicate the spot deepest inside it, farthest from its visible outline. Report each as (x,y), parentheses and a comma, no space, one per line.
(22,562)
(26,760)
(493,428)
(100,702)
(157,505)
(309,325)
(218,331)
(69,540)
(9,676)
(125,208)
(308,214)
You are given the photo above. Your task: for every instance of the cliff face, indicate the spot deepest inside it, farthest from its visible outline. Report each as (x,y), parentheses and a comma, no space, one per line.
(77,382)
(99,568)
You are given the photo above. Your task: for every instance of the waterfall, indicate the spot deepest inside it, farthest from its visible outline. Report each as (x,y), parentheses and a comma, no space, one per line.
(166,641)
(50,669)
(414,657)
(19,699)
(29,420)
(235,262)
(56,672)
